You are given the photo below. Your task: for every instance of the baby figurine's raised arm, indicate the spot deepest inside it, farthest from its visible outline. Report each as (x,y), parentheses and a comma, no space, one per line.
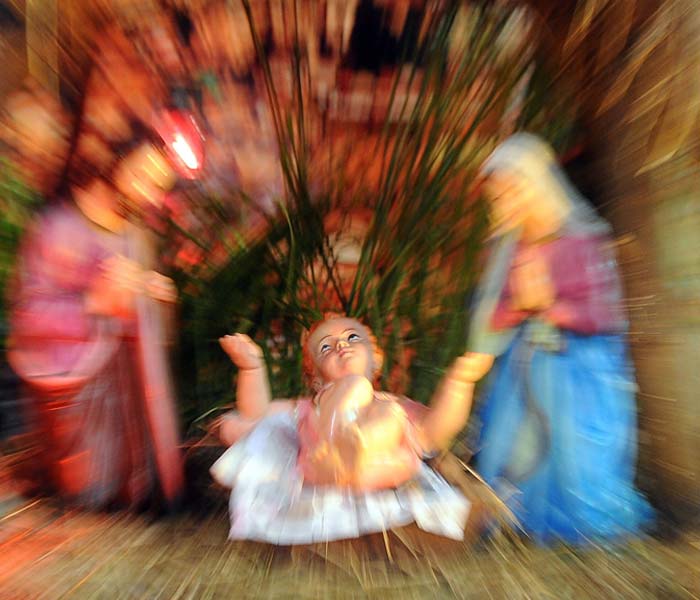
(253,387)
(452,401)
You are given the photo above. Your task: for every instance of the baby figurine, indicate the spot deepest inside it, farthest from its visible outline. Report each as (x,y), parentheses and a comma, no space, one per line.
(349,434)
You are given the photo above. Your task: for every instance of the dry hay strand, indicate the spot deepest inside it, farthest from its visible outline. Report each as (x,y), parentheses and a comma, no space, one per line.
(405,559)
(57,553)
(122,556)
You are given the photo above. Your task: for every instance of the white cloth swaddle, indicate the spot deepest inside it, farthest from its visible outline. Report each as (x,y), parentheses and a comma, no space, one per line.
(270,503)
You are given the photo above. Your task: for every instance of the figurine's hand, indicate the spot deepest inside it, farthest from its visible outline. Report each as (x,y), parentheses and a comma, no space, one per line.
(470,367)
(159,287)
(243,352)
(113,291)
(123,274)
(531,284)
(560,315)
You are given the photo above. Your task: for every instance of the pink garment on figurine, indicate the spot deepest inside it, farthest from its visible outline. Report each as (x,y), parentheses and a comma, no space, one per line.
(95,443)
(587,288)
(387,470)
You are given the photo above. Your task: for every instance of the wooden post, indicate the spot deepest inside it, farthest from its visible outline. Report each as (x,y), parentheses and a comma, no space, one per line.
(41,18)
(649,177)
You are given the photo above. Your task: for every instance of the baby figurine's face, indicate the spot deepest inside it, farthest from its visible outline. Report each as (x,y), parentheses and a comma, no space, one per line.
(341,347)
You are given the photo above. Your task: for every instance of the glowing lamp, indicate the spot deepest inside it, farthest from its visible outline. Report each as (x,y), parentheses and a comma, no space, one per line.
(184,141)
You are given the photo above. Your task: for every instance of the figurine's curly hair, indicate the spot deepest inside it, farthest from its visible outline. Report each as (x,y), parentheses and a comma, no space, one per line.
(308,364)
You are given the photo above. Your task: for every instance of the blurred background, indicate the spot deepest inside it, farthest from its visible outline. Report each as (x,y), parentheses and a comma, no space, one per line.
(336,148)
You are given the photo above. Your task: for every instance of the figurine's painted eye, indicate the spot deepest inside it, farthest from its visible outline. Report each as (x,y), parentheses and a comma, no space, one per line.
(354,337)
(325,348)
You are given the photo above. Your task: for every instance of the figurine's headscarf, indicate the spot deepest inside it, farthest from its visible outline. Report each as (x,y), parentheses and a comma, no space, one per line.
(531,159)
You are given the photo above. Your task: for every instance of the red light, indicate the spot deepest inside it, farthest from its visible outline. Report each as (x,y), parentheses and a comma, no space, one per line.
(183,141)
(185,152)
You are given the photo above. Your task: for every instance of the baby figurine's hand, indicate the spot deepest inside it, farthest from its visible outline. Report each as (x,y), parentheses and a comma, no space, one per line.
(243,352)
(470,367)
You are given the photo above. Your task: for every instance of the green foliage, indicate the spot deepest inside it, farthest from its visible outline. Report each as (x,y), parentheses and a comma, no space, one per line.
(17,202)
(419,258)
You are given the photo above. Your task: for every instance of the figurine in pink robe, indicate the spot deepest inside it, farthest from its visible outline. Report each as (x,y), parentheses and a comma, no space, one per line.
(87,339)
